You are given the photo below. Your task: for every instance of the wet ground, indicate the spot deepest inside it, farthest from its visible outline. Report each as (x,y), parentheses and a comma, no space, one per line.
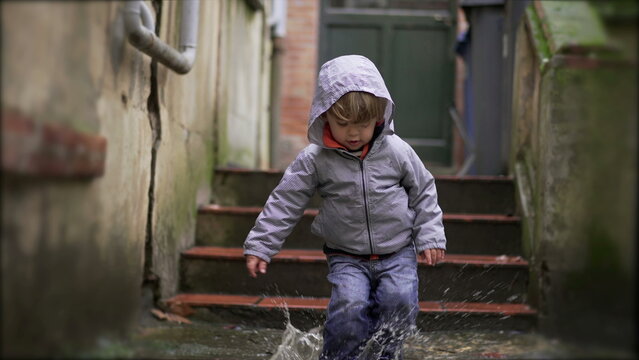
(201,339)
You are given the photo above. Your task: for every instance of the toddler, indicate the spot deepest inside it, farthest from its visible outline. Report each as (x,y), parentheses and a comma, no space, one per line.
(379,210)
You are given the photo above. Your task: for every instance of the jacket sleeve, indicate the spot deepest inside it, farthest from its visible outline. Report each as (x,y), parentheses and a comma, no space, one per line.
(428,228)
(283,209)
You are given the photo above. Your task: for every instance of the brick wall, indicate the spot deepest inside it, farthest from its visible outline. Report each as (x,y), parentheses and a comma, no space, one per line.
(299,72)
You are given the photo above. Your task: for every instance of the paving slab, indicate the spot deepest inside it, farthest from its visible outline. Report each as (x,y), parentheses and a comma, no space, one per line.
(227,341)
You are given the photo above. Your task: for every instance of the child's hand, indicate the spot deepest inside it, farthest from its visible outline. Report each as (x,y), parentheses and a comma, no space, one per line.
(432,256)
(255,265)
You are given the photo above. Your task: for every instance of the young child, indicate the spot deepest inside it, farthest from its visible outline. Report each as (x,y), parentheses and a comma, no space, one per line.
(379,210)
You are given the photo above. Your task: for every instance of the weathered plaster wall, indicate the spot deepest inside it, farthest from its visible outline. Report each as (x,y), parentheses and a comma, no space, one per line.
(184,143)
(72,249)
(217,114)
(245,55)
(575,157)
(76,248)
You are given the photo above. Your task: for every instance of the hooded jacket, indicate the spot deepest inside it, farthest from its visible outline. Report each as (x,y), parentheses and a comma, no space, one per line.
(375,205)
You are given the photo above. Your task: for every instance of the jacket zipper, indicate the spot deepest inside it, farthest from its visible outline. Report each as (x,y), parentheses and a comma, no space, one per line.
(368,225)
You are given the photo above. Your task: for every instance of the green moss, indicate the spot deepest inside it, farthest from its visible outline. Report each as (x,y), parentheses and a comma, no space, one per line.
(602,280)
(539,39)
(209,161)
(222,134)
(617,10)
(178,209)
(585,203)
(589,198)
(106,349)
(572,23)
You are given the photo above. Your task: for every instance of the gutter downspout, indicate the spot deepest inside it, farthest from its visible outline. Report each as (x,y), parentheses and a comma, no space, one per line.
(140,31)
(277,23)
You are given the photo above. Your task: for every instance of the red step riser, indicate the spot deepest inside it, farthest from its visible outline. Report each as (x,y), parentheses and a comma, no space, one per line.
(197,300)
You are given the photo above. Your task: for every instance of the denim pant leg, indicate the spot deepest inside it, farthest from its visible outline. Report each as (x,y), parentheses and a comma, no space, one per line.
(347,320)
(395,302)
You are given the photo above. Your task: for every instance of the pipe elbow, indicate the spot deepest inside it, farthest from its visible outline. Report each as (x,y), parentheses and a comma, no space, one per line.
(187,60)
(139,26)
(137,34)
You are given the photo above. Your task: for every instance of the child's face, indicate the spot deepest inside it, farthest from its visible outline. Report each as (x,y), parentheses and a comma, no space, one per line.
(350,135)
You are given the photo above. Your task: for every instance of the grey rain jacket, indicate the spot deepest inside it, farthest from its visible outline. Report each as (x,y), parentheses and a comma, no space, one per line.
(372,206)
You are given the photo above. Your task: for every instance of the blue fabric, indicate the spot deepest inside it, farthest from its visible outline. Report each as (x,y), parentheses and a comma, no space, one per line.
(373,306)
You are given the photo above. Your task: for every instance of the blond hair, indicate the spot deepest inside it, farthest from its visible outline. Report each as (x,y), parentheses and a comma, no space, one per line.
(358,107)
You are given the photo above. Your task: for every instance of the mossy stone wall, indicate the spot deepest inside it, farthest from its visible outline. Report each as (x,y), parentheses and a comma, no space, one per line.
(575,160)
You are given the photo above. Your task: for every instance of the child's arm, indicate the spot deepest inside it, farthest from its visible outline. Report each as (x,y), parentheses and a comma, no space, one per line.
(282,211)
(428,227)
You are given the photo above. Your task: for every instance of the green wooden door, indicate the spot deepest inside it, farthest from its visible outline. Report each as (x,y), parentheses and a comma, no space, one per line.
(412,44)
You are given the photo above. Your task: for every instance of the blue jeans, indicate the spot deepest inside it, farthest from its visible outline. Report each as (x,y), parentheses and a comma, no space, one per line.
(373,306)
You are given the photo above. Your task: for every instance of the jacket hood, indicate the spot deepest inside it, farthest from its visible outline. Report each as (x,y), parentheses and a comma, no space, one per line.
(340,76)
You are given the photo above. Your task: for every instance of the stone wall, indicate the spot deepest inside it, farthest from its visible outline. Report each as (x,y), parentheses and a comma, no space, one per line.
(106,156)
(574,155)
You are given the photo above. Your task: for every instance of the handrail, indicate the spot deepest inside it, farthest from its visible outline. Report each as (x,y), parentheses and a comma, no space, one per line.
(469,144)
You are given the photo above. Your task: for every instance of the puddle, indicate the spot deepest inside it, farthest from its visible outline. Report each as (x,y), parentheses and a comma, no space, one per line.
(204,339)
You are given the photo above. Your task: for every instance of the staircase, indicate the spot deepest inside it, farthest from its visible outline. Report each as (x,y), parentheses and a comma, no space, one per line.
(481,285)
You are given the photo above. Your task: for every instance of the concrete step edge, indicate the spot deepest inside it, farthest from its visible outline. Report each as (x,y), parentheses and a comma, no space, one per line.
(305,303)
(216,209)
(466,178)
(314,256)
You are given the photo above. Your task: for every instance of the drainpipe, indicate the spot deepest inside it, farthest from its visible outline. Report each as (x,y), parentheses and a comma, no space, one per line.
(277,22)
(140,30)
(278,18)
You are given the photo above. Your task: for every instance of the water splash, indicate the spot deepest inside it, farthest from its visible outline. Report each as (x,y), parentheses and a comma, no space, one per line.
(297,344)
(378,345)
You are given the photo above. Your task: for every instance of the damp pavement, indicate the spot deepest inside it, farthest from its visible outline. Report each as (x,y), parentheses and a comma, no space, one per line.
(201,339)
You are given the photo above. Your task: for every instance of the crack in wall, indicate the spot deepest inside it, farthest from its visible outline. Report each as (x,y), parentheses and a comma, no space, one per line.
(151,282)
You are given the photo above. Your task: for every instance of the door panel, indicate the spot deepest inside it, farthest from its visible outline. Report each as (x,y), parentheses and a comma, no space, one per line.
(418,84)
(366,38)
(413,50)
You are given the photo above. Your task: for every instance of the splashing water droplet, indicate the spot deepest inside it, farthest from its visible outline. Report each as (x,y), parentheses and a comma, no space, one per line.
(297,344)
(300,345)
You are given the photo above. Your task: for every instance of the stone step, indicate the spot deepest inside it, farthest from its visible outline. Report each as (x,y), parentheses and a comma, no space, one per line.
(467,278)
(466,233)
(466,194)
(306,313)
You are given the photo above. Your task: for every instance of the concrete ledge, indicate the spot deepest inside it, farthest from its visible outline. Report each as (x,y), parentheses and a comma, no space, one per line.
(317,256)
(308,312)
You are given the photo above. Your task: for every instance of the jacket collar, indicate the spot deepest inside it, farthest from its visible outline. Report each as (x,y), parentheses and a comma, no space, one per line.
(331,143)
